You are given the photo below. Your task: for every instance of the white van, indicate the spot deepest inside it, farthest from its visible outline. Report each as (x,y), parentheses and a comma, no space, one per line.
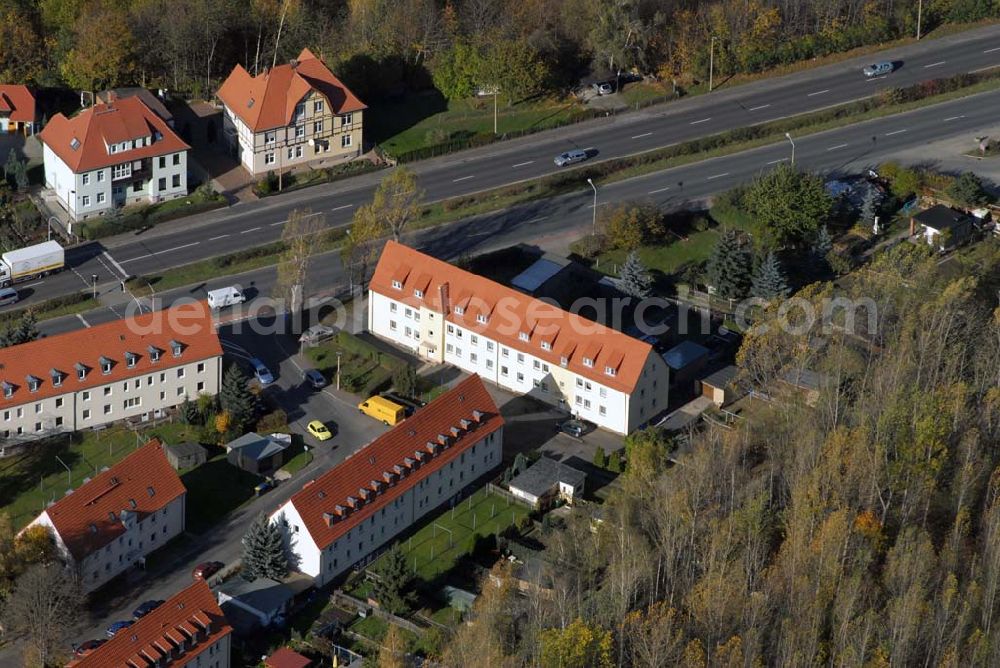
(224,297)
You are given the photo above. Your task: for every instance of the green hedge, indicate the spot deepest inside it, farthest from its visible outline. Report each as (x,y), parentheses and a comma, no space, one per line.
(268,185)
(146,216)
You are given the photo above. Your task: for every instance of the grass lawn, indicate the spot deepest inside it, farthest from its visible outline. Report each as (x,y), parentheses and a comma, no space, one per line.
(32,479)
(364,369)
(645,93)
(372,627)
(669,258)
(432,551)
(297,463)
(215,489)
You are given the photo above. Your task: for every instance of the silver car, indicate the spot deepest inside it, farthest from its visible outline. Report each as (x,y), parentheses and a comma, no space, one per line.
(570,157)
(878,69)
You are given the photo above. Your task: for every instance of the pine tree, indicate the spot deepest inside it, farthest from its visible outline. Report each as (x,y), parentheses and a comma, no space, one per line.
(237,399)
(730,266)
(264,553)
(769,279)
(823,244)
(634,278)
(600,459)
(189,412)
(869,208)
(21,175)
(394,578)
(615,462)
(10,167)
(520,463)
(22,331)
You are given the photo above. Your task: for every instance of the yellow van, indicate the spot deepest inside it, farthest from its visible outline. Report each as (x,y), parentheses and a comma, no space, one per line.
(382,409)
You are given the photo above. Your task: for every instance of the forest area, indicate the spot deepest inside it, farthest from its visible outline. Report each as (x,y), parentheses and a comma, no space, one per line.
(389,47)
(864,531)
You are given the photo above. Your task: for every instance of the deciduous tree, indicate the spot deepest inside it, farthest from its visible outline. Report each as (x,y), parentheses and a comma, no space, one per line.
(301,236)
(103,49)
(968,190)
(579,645)
(42,610)
(787,205)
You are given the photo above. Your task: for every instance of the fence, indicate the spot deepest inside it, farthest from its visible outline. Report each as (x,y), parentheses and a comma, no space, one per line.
(500,491)
(347,601)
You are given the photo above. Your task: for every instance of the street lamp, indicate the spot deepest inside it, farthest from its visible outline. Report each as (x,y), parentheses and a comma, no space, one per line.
(93,278)
(788,135)
(711,63)
(338,370)
(920,11)
(591,182)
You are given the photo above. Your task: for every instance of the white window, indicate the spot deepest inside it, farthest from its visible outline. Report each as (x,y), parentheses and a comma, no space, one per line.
(269,158)
(347,119)
(449,348)
(489,346)
(520,358)
(300,110)
(345,141)
(520,377)
(180,372)
(86,414)
(270,137)
(475,340)
(392,307)
(100,198)
(586,403)
(538,365)
(107,409)
(318,107)
(503,371)
(604,392)
(86,200)
(86,395)
(300,131)
(588,362)
(392,325)
(100,175)
(451,329)
(121,171)
(489,364)
(397,285)
(523,336)
(86,179)
(458,352)
(602,410)
(609,370)
(418,293)
(317,127)
(474,358)
(482,318)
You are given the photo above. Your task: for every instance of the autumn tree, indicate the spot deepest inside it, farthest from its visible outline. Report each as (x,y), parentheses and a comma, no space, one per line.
(392,654)
(363,244)
(300,236)
(103,48)
(22,56)
(42,609)
(397,201)
(579,645)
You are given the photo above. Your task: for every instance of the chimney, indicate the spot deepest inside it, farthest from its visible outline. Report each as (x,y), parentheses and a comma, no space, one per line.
(445,298)
(294,63)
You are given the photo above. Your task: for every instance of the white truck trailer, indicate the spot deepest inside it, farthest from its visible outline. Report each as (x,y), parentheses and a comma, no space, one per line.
(26,263)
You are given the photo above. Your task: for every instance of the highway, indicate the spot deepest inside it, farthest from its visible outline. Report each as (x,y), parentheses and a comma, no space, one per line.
(250,224)
(846,150)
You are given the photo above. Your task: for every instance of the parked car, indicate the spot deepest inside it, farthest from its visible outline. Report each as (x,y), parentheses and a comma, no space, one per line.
(118,626)
(314,378)
(878,69)
(605,88)
(261,372)
(85,648)
(316,334)
(8,296)
(145,608)
(570,157)
(267,484)
(575,427)
(319,430)
(411,405)
(206,569)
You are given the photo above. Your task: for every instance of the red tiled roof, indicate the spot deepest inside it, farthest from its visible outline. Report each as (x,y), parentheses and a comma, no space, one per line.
(158,628)
(19,101)
(509,313)
(142,483)
(189,325)
(287,658)
(371,463)
(93,129)
(268,100)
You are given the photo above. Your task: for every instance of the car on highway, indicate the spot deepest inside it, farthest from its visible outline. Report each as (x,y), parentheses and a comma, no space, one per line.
(261,372)
(319,430)
(118,626)
(570,157)
(206,569)
(315,379)
(878,69)
(145,608)
(85,648)
(575,428)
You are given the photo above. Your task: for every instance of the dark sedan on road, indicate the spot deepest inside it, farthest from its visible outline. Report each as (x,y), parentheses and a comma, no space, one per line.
(145,608)
(575,427)
(85,648)
(315,379)
(878,69)
(570,157)
(206,569)
(118,626)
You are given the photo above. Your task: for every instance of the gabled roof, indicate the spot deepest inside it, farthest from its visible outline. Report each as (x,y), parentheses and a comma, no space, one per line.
(287,658)
(63,356)
(256,447)
(268,100)
(190,619)
(144,94)
(17,103)
(545,474)
(684,354)
(508,314)
(82,141)
(940,217)
(333,503)
(90,516)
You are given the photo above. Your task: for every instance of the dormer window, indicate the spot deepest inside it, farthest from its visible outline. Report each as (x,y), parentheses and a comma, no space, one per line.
(482,318)
(33,383)
(546,345)
(177,347)
(8,389)
(523,336)
(397,285)
(588,362)
(459,310)
(81,371)
(131,359)
(609,370)
(106,365)
(57,377)
(154,353)
(74,143)
(563,361)
(418,293)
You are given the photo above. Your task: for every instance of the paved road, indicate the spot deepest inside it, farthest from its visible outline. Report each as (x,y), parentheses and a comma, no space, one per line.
(252,224)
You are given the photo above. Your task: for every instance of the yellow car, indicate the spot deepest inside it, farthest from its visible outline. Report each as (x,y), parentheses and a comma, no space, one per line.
(319,430)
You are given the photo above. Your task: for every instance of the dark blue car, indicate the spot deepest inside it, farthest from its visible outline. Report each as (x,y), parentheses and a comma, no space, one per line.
(145,608)
(116,627)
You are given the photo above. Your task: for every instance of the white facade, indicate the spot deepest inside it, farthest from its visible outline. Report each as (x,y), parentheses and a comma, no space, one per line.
(426,333)
(393,518)
(140,538)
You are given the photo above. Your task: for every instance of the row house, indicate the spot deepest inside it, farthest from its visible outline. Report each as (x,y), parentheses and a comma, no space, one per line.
(111,522)
(111,155)
(522,344)
(291,115)
(188,630)
(18,112)
(135,368)
(345,516)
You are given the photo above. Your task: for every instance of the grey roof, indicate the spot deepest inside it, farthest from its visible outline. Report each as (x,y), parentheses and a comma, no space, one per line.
(684,354)
(263,594)
(805,378)
(255,446)
(721,378)
(147,97)
(535,276)
(940,217)
(185,449)
(545,474)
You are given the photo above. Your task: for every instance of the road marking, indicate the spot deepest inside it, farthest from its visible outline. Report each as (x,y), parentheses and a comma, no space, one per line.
(763,106)
(894,132)
(168,250)
(834,148)
(658,190)
(85,323)
(878,78)
(535,220)
(953,118)
(336,208)
(819,92)
(463,178)
(992,50)
(280,222)
(644,134)
(774,162)
(522,164)
(31,285)
(983,69)
(221,236)
(599,205)
(940,62)
(704,120)
(112,261)
(252,229)
(718,176)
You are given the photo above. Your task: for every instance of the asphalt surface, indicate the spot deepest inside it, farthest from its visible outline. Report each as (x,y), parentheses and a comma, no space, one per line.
(251,224)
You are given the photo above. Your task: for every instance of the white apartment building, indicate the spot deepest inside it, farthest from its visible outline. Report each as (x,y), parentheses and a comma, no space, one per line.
(188,630)
(377,493)
(110,523)
(135,368)
(525,345)
(112,155)
(293,114)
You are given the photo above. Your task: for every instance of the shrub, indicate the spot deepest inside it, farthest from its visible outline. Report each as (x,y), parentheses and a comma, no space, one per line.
(275,421)
(590,246)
